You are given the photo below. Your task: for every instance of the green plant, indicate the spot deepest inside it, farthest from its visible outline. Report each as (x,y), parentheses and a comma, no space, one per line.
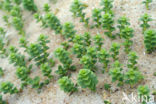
(88,62)
(38,50)
(147,2)
(117,75)
(87,79)
(18,2)
(46,7)
(35,82)
(79,39)
(132,61)
(107,102)
(122,23)
(127,34)
(17,22)
(6,20)
(2,101)
(145,19)
(68,31)
(132,77)
(154,73)
(64,58)
(78,49)
(15,57)
(61,71)
(8,87)
(87,39)
(1,72)
(6,5)
(92,52)
(103,57)
(2,45)
(117,64)
(16,12)
(98,41)
(144,93)
(96,15)
(50,20)
(29,5)
(150,40)
(107,86)
(115,47)
(23,74)
(107,6)
(67,85)
(107,23)
(46,70)
(23,42)
(77,8)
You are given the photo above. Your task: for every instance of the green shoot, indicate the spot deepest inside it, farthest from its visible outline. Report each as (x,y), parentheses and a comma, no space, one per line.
(115,47)
(96,15)
(29,5)
(147,2)
(66,85)
(87,79)
(1,72)
(132,59)
(98,41)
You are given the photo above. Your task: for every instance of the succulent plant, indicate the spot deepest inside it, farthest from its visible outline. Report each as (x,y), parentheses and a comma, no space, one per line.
(67,85)
(8,87)
(115,47)
(30,5)
(68,31)
(87,39)
(103,57)
(132,60)
(145,19)
(96,15)
(147,2)
(79,50)
(77,8)
(150,40)
(46,7)
(87,79)
(98,41)
(46,70)
(107,6)
(107,24)
(132,77)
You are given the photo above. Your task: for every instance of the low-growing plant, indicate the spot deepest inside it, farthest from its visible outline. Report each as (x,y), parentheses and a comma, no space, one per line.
(46,70)
(1,72)
(79,39)
(61,71)
(107,102)
(117,64)
(117,75)
(6,20)
(35,82)
(17,22)
(107,24)
(15,57)
(88,62)
(87,39)
(64,58)
(30,5)
(122,23)
(107,86)
(132,60)
(147,2)
(79,50)
(132,77)
(8,87)
(87,79)
(69,31)
(23,42)
(2,47)
(150,40)
(50,20)
(103,57)
(6,5)
(98,41)
(144,93)
(107,6)
(145,19)
(65,45)
(18,2)
(96,15)
(2,101)
(77,8)
(67,85)
(46,8)
(115,47)
(92,52)
(127,34)
(16,11)
(154,73)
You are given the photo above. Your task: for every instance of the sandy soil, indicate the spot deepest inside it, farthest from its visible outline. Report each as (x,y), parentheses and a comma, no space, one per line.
(51,94)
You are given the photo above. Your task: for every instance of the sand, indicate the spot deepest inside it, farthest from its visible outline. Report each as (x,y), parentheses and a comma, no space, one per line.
(52,94)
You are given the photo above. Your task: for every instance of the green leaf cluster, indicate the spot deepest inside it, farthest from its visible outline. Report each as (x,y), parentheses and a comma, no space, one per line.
(87,79)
